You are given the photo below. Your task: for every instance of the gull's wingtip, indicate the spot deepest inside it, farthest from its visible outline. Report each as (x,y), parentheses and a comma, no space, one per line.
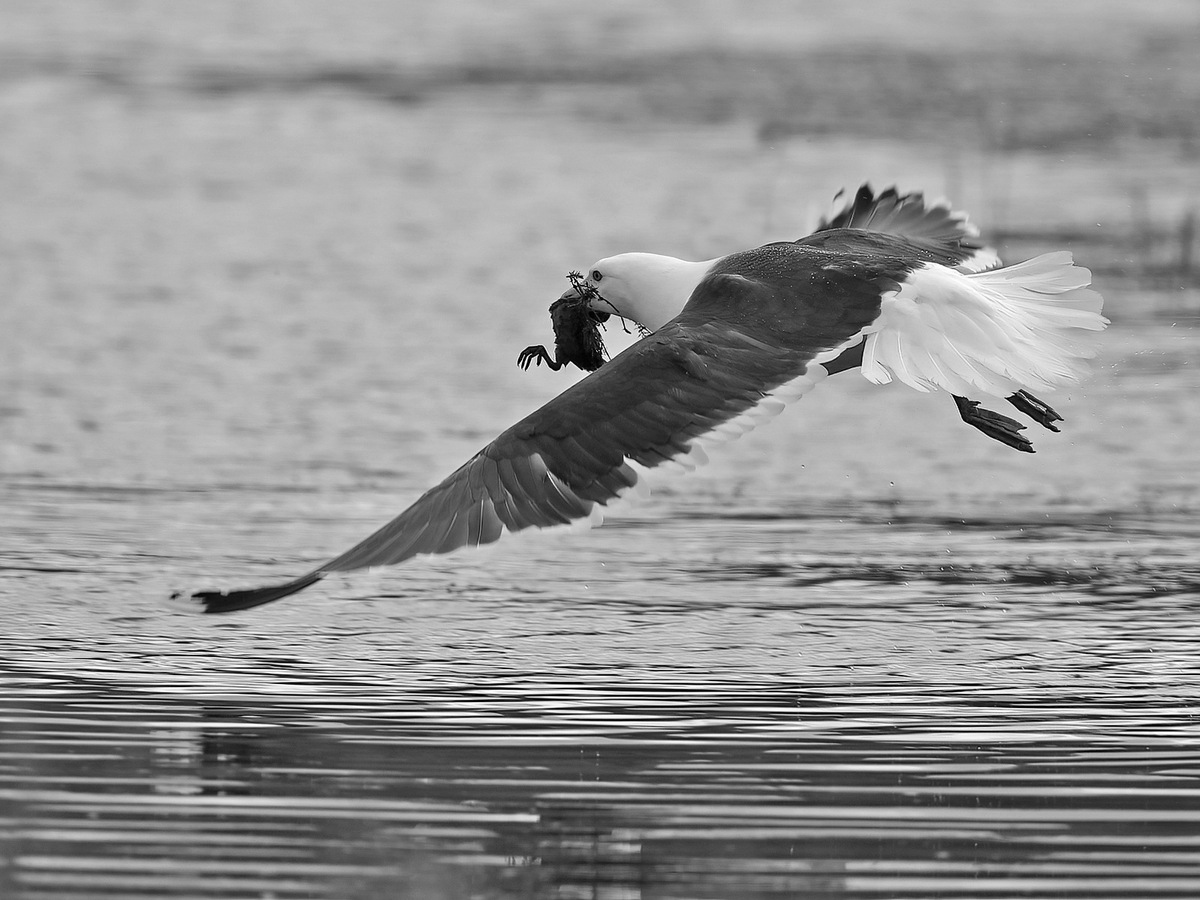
(231,601)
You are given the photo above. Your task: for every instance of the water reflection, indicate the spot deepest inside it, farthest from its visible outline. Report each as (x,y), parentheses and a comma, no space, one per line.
(769,792)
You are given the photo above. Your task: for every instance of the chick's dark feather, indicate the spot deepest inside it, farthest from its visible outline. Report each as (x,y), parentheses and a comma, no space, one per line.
(576,334)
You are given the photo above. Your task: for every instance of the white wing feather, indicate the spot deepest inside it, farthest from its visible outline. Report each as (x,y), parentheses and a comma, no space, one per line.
(1027,326)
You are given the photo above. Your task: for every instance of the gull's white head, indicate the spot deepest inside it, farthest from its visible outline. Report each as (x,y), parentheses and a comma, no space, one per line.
(644,287)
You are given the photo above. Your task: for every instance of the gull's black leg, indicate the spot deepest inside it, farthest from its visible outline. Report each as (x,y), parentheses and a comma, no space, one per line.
(538,354)
(998,427)
(1038,410)
(847,359)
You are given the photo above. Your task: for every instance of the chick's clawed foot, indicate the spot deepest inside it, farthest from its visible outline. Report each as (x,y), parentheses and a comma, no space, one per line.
(538,354)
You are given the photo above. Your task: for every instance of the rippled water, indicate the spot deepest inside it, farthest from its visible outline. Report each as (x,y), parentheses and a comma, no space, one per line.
(865,653)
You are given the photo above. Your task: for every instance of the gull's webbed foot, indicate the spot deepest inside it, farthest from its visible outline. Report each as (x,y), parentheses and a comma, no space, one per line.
(1038,410)
(536,354)
(998,427)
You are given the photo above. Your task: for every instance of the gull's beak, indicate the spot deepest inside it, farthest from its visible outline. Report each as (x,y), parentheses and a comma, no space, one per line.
(598,315)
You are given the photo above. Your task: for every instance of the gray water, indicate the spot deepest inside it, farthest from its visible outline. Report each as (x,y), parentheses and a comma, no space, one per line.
(866,652)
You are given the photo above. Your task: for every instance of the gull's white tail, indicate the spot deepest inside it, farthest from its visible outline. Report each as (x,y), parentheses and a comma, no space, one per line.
(1028,326)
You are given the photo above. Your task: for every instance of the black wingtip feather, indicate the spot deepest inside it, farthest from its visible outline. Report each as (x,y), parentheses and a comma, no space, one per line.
(230,601)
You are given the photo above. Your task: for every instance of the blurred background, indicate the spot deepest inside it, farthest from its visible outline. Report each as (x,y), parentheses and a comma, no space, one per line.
(210,207)
(232,180)
(265,270)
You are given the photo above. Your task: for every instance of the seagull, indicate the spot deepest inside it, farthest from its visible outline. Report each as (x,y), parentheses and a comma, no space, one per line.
(891,285)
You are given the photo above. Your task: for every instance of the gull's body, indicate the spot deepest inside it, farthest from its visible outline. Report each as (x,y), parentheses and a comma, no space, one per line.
(887,284)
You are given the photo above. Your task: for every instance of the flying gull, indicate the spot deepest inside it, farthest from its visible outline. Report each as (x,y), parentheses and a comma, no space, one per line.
(892,285)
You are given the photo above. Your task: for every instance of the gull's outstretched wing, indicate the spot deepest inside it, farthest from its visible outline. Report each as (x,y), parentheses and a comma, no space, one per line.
(911,216)
(721,360)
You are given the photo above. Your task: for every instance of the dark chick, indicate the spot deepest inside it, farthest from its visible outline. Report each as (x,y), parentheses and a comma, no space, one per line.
(576,333)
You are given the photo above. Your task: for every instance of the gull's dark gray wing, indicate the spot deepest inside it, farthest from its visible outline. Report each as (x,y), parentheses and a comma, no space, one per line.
(736,342)
(909,216)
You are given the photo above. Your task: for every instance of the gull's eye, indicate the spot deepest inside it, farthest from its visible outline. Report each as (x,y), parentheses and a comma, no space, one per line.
(596,276)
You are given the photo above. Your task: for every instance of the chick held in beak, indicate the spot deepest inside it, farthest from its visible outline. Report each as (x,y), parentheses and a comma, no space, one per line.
(576,330)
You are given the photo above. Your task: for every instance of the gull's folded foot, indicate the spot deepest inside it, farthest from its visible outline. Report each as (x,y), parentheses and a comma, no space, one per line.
(538,354)
(1038,410)
(998,427)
